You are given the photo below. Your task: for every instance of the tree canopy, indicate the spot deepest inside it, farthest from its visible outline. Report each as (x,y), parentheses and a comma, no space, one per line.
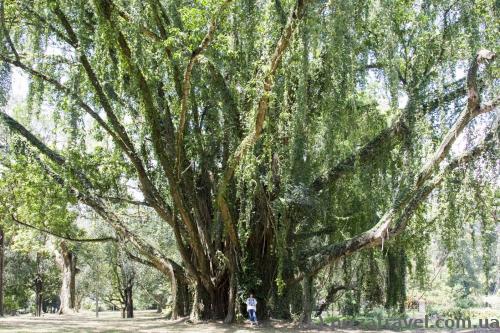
(264,141)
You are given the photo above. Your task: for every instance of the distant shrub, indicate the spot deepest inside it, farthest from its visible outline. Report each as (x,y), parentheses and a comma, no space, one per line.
(433,310)
(457,313)
(378,312)
(466,303)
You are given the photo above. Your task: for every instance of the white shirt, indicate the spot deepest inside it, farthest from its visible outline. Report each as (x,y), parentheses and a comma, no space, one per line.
(251,304)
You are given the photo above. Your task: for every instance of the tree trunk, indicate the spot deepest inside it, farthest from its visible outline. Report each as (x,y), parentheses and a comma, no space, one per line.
(307,300)
(129,302)
(232,299)
(2,242)
(38,283)
(96,305)
(396,279)
(179,296)
(212,303)
(66,260)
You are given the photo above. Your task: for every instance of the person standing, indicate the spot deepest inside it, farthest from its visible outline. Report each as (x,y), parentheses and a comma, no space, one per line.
(252,309)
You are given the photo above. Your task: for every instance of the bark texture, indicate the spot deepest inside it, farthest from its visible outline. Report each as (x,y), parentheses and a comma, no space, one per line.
(66,261)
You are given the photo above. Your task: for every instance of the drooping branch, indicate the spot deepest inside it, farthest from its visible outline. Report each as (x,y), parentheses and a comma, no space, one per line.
(43,22)
(72,239)
(395,219)
(139,259)
(148,188)
(367,152)
(389,136)
(61,88)
(144,30)
(119,134)
(88,197)
(6,32)
(261,112)
(330,298)
(164,154)
(186,83)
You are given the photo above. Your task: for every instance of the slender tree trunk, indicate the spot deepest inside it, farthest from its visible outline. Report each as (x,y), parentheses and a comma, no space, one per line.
(2,242)
(197,307)
(96,305)
(232,299)
(38,283)
(129,302)
(66,260)
(176,297)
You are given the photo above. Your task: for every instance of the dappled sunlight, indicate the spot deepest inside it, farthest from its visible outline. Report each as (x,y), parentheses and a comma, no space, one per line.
(150,321)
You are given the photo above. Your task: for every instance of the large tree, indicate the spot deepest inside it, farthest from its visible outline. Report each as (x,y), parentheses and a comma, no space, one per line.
(264,140)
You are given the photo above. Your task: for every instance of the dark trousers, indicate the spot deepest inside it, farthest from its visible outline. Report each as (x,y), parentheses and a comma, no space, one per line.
(252,315)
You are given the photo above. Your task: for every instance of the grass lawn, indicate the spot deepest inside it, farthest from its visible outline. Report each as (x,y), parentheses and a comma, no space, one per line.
(145,321)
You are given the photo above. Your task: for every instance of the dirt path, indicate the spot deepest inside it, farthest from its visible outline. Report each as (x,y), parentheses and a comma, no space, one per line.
(145,321)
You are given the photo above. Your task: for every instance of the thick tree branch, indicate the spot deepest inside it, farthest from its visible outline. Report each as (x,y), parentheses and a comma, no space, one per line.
(395,219)
(262,108)
(330,298)
(125,200)
(119,134)
(144,30)
(88,197)
(280,11)
(473,110)
(158,14)
(186,83)
(389,136)
(6,32)
(140,260)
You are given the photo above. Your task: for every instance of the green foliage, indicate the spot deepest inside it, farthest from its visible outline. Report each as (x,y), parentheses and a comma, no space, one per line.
(106,93)
(31,197)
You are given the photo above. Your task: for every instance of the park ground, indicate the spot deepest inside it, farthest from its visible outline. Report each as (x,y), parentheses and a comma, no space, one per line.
(148,321)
